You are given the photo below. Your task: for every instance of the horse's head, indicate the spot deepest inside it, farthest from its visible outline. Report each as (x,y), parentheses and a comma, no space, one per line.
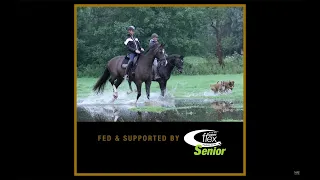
(177,60)
(158,50)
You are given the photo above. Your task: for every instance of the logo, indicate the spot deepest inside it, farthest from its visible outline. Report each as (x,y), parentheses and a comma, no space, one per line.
(208,138)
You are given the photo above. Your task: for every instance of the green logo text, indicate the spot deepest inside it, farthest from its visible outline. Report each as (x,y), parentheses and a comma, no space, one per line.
(209,151)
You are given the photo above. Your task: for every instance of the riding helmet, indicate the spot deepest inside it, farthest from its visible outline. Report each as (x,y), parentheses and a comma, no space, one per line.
(154,35)
(131,28)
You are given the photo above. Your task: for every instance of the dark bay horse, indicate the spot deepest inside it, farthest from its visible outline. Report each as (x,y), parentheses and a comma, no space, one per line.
(143,71)
(165,71)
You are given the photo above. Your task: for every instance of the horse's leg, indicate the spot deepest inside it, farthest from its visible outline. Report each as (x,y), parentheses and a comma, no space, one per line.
(115,93)
(163,87)
(138,84)
(112,79)
(115,87)
(148,84)
(130,87)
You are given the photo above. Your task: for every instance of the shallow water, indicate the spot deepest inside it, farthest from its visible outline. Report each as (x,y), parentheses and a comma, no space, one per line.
(159,109)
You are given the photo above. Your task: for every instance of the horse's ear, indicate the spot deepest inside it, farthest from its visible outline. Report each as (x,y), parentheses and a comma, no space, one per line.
(162,45)
(181,56)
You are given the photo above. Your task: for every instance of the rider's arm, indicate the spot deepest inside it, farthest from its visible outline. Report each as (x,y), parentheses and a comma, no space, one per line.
(139,45)
(130,46)
(131,49)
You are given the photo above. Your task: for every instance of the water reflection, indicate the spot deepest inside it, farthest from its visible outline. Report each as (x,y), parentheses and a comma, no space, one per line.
(221,108)
(182,111)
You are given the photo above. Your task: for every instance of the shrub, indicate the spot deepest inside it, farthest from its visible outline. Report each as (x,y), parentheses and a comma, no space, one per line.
(193,65)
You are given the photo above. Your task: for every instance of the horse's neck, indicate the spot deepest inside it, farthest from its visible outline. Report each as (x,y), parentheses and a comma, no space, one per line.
(170,66)
(148,58)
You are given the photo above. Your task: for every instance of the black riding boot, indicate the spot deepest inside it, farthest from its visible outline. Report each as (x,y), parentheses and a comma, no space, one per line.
(156,74)
(127,69)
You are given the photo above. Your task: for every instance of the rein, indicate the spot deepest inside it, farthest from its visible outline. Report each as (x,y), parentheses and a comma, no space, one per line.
(169,61)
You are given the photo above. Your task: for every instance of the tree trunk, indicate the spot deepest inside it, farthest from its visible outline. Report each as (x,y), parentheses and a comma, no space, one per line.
(218,45)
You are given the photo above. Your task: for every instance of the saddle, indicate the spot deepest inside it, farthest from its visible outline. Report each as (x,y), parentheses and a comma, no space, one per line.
(126,60)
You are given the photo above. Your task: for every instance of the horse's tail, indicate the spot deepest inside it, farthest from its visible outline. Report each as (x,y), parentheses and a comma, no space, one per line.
(99,86)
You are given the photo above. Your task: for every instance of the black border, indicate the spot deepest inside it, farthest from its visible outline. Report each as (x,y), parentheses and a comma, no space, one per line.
(274,58)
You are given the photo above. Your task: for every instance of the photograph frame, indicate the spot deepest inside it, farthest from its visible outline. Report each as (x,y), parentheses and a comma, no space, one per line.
(75,90)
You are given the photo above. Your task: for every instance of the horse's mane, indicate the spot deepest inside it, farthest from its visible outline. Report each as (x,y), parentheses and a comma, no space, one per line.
(152,47)
(173,56)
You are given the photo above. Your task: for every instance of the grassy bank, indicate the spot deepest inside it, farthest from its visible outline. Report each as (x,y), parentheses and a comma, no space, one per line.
(181,86)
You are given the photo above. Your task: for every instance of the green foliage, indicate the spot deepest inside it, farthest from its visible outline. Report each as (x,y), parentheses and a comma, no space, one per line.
(186,31)
(200,66)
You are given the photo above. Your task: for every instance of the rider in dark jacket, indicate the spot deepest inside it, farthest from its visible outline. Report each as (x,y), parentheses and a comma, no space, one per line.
(153,41)
(133,45)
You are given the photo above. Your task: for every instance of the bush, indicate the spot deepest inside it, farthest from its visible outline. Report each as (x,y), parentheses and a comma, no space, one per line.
(193,65)
(202,66)
(91,70)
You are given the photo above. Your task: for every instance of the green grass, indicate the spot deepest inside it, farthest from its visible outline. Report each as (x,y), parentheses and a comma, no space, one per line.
(181,86)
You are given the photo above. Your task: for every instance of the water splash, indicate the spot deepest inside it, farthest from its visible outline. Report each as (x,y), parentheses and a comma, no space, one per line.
(102,105)
(206,94)
(124,98)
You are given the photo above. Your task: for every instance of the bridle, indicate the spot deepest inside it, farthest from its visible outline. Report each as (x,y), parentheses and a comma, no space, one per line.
(163,59)
(169,62)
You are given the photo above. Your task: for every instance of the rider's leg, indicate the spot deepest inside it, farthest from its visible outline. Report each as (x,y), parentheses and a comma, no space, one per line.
(155,69)
(131,55)
(155,62)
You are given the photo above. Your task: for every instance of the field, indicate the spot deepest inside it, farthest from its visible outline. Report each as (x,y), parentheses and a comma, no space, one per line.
(180,86)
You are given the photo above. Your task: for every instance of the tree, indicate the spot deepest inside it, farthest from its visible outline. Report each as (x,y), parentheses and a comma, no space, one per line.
(205,32)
